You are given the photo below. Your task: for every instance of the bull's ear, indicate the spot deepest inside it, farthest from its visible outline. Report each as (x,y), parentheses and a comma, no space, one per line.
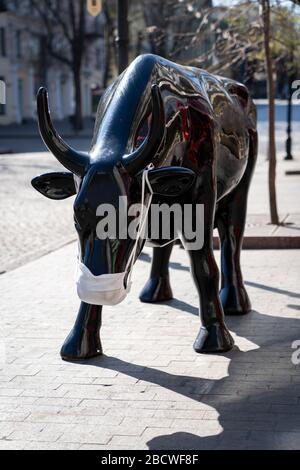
(55,185)
(171,180)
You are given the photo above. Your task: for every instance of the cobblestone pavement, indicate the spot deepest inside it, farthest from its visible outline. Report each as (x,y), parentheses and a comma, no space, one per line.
(150,390)
(31,225)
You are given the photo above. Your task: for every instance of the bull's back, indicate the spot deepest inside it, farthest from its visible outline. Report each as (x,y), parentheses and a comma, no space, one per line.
(227,102)
(232,112)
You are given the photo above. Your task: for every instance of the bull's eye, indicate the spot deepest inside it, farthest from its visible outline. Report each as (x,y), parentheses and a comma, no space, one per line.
(80,212)
(185,180)
(80,219)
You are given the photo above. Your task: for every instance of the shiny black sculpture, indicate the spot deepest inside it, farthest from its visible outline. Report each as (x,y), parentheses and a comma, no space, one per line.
(199,132)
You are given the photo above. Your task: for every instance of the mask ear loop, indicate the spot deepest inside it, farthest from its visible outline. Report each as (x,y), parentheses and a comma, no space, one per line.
(142,219)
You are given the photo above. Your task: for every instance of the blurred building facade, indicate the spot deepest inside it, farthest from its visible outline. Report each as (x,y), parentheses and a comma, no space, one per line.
(180,30)
(25,66)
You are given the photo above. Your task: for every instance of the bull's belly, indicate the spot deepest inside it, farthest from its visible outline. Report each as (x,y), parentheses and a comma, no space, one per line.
(230,171)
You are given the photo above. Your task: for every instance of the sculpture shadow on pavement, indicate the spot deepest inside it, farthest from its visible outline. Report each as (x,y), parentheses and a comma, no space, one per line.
(247,400)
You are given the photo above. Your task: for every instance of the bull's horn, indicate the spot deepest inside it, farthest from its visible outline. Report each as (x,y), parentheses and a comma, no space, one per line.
(143,155)
(74,161)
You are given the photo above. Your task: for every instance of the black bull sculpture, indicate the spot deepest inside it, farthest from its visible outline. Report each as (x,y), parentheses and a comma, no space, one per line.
(199,132)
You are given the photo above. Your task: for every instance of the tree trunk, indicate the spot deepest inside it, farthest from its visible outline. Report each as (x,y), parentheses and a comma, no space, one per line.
(122,38)
(108,44)
(156,15)
(270,87)
(78,123)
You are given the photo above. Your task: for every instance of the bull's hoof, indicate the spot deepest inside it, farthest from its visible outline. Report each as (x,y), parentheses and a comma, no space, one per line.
(78,347)
(235,300)
(213,339)
(157,290)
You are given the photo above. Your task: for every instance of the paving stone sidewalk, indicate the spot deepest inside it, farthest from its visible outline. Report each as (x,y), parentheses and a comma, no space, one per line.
(30,224)
(150,390)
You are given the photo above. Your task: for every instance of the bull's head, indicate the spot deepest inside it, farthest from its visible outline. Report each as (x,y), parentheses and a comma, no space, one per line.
(103,179)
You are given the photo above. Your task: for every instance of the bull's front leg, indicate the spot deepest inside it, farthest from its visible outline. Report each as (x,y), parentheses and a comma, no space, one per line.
(213,335)
(83,340)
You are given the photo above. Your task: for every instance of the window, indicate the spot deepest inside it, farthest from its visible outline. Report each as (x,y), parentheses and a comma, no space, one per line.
(2,96)
(34,44)
(19,44)
(2,42)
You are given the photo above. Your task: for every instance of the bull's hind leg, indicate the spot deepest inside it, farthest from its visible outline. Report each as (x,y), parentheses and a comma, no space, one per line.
(157,288)
(230,219)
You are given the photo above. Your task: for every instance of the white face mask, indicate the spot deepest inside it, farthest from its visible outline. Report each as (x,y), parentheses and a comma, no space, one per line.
(111,289)
(106,289)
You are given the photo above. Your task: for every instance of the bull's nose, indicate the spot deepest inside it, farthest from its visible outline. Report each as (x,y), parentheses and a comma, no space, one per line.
(95,256)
